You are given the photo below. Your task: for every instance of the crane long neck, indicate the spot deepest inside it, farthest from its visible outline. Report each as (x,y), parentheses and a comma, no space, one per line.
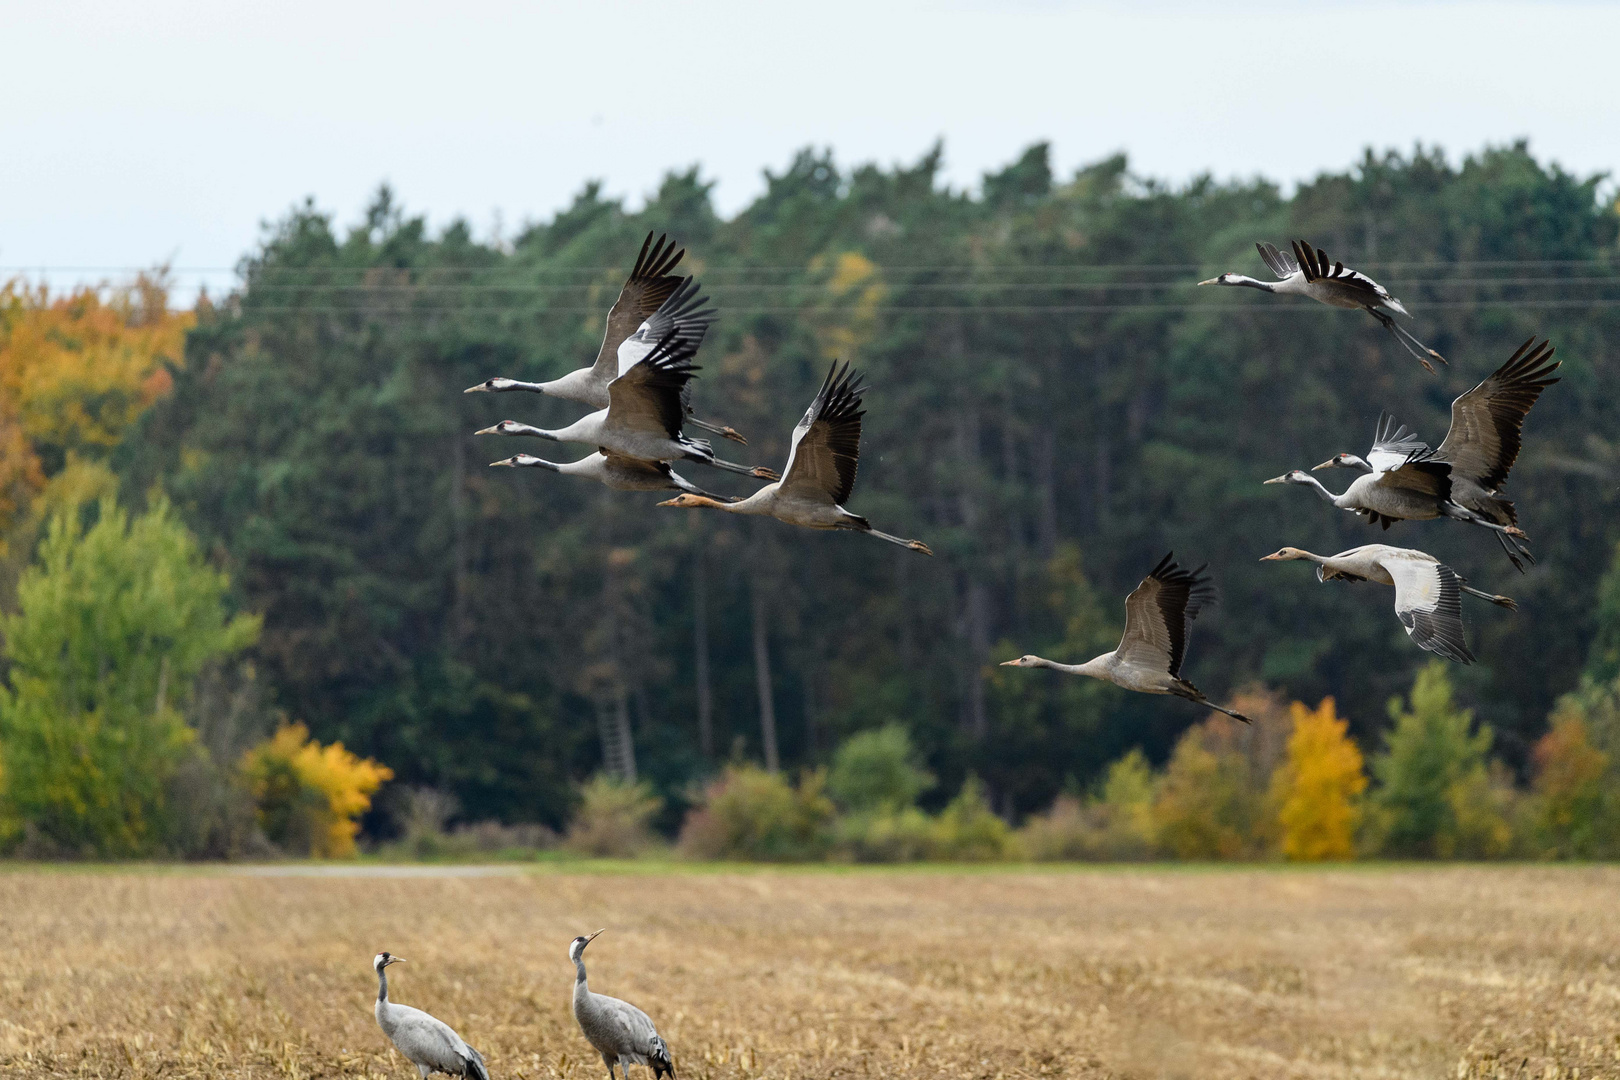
(1253,283)
(1067,669)
(1321,489)
(382,986)
(579,972)
(534,432)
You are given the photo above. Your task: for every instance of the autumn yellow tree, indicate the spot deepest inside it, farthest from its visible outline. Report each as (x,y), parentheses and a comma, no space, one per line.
(1317,790)
(310,796)
(75,372)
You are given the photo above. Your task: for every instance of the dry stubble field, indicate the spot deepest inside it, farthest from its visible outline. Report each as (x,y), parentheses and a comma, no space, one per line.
(1422,972)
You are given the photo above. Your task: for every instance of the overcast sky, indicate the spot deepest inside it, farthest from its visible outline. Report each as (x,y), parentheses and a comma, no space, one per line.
(133,133)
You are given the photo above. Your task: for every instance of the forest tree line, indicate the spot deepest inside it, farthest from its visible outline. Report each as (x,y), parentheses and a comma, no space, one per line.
(1052,406)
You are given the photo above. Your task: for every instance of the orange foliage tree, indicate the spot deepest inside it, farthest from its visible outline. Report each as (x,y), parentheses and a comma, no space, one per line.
(1318,788)
(1568,805)
(75,372)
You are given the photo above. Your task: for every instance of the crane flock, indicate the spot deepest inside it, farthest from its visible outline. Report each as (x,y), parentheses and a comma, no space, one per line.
(640,388)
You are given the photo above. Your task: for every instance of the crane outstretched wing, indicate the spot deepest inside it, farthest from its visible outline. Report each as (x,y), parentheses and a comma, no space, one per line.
(1428,601)
(1317,268)
(827,441)
(684,314)
(1394,444)
(646,400)
(649,285)
(1487,421)
(1281,263)
(1157,615)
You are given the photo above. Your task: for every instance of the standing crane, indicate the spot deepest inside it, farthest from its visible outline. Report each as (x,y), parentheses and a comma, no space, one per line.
(820,473)
(1306,273)
(427,1042)
(1487,425)
(1428,593)
(644,415)
(1158,617)
(652,304)
(617,472)
(621,1033)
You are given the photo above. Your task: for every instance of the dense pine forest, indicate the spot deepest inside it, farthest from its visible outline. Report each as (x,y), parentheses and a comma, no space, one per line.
(1052,406)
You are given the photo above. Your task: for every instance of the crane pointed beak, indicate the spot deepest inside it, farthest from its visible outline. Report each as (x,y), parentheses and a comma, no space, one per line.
(479,389)
(596,935)
(1276,480)
(1270,558)
(1211,281)
(511,461)
(676,501)
(1009,663)
(1330,463)
(395,960)
(494,429)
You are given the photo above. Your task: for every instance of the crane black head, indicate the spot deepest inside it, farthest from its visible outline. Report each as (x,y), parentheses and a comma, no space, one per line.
(1343,461)
(577,946)
(491,386)
(384,958)
(505,427)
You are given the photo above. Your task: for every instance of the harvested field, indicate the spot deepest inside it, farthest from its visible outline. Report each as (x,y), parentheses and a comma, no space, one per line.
(1363,972)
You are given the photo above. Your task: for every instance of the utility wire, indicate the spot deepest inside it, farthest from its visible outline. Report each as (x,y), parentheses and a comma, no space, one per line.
(953,309)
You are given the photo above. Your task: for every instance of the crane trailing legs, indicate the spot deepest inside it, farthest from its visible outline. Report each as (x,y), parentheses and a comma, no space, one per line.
(1480,447)
(820,473)
(1158,618)
(1307,273)
(1428,593)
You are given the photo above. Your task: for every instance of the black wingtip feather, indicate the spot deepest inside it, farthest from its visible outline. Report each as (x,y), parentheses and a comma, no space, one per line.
(656,260)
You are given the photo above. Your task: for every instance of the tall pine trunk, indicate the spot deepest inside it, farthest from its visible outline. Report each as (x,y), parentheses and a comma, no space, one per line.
(700,647)
(762,676)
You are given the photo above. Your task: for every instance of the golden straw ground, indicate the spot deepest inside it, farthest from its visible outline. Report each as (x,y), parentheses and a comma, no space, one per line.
(1403,972)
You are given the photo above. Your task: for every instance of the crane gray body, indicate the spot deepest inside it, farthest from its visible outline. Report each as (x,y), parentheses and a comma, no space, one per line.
(1308,272)
(426,1041)
(620,1032)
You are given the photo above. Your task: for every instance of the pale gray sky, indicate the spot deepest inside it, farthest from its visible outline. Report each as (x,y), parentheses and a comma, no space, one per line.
(169,129)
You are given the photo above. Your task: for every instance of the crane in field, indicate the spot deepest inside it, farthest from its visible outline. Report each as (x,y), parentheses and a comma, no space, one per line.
(1307,273)
(427,1042)
(1158,617)
(1428,593)
(620,1032)
(820,473)
(652,305)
